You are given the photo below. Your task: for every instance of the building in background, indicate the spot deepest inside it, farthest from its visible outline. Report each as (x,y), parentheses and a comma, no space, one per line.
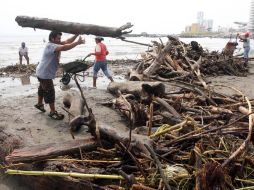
(200,17)
(251,21)
(195,28)
(208,25)
(202,25)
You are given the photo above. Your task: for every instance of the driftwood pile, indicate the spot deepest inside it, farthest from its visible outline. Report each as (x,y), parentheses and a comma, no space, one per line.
(202,137)
(184,138)
(180,134)
(18,69)
(178,60)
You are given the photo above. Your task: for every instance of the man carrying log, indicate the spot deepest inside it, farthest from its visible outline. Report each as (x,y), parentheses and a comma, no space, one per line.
(101,63)
(47,68)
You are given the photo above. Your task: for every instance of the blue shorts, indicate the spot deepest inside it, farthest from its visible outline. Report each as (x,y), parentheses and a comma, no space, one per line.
(101,65)
(246,52)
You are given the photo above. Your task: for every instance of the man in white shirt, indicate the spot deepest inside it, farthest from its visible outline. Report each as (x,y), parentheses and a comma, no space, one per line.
(23,51)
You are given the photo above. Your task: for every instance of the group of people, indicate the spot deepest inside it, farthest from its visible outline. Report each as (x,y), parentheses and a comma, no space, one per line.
(46,69)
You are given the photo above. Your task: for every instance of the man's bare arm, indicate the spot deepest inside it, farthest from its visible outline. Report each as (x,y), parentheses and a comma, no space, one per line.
(69,46)
(69,40)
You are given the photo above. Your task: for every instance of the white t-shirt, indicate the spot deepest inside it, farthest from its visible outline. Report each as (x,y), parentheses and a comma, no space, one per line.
(23,51)
(97,48)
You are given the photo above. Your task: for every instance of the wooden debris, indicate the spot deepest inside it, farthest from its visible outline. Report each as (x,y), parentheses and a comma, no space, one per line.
(42,152)
(72,27)
(186,61)
(183,125)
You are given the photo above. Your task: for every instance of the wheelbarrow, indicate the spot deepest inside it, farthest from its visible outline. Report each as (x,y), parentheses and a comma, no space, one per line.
(75,68)
(230,47)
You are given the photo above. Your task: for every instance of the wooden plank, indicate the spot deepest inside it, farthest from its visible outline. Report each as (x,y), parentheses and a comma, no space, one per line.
(46,151)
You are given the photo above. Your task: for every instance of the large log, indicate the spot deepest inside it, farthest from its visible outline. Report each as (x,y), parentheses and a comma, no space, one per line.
(46,151)
(116,134)
(72,27)
(80,120)
(73,101)
(137,88)
(76,109)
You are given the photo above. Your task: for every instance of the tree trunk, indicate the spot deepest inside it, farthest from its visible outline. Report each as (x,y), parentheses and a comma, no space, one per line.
(73,101)
(76,109)
(115,135)
(46,151)
(72,27)
(136,88)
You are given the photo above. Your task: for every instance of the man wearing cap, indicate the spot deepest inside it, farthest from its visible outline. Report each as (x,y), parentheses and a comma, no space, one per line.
(100,60)
(23,51)
(246,46)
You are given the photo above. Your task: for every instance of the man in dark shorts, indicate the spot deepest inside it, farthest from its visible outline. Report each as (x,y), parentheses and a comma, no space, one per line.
(47,68)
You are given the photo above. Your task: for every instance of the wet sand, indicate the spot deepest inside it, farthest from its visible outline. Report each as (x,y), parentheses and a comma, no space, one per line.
(244,84)
(19,117)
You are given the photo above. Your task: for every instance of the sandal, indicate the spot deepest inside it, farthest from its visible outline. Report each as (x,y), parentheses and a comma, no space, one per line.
(40,107)
(55,115)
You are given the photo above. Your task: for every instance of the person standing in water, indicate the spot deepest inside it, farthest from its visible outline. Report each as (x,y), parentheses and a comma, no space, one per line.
(23,51)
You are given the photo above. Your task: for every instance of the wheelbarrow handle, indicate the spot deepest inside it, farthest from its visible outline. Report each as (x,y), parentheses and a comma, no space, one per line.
(86,57)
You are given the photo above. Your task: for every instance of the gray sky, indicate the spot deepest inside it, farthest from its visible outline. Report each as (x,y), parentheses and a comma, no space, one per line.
(157,16)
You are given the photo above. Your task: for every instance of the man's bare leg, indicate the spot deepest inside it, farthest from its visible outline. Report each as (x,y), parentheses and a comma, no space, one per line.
(40,99)
(52,107)
(94,82)
(20,60)
(27,59)
(111,79)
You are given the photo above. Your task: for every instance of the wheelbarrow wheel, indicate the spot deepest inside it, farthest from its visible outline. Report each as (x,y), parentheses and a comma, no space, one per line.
(66,79)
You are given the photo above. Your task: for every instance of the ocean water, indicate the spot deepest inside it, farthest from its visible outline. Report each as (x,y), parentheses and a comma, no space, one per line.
(118,49)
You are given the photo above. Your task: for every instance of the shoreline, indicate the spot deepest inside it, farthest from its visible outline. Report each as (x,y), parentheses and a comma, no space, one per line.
(21,81)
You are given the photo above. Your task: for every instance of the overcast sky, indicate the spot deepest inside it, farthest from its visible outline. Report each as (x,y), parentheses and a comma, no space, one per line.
(157,16)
